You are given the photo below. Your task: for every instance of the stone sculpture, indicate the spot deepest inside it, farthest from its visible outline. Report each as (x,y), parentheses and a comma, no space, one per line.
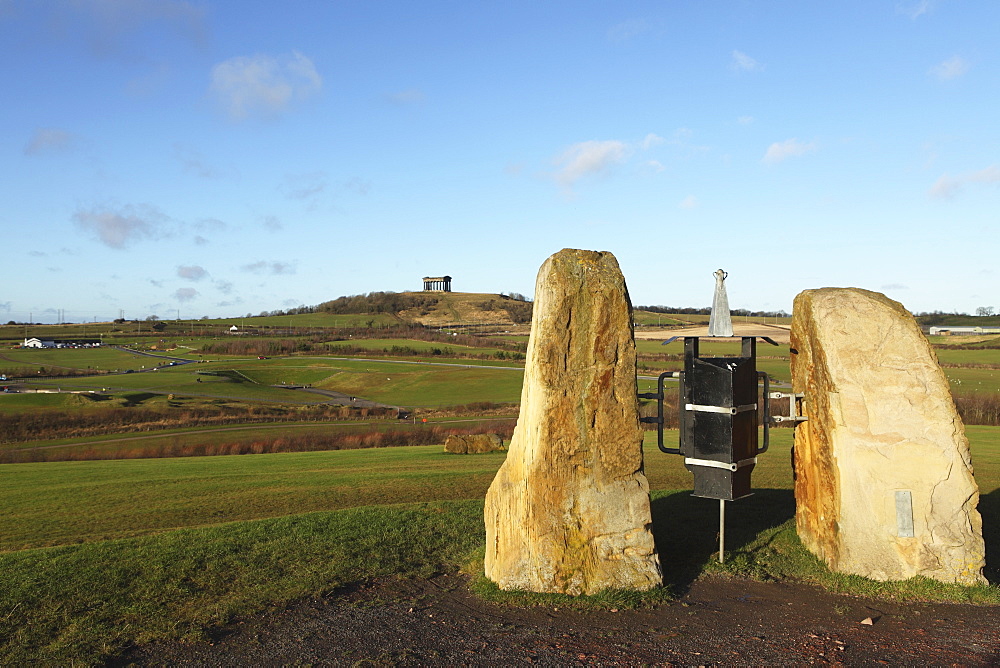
(568,512)
(883,475)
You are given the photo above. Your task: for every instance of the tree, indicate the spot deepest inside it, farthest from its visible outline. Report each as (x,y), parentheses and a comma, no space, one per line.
(984,310)
(152,318)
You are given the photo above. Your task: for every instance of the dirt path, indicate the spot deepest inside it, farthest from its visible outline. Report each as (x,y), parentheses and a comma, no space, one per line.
(719,621)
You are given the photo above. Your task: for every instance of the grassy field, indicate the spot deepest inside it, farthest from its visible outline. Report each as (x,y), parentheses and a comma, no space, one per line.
(218,537)
(61,503)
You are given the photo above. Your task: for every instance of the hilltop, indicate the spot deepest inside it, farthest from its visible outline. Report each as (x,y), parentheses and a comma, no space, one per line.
(468,308)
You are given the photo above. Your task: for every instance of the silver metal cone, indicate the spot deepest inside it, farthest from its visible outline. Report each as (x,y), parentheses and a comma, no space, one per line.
(720,323)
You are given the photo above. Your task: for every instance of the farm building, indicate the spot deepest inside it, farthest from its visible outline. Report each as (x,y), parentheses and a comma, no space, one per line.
(963,331)
(34,342)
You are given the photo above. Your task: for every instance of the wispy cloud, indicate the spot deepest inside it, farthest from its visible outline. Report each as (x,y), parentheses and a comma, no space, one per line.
(124,226)
(745,120)
(651,140)
(689,202)
(192,272)
(743,63)
(264,85)
(790,148)
(48,140)
(914,9)
(265,267)
(895,286)
(406,97)
(194,163)
(626,31)
(305,186)
(949,69)
(185,294)
(947,186)
(272,224)
(588,158)
(112,28)
(357,185)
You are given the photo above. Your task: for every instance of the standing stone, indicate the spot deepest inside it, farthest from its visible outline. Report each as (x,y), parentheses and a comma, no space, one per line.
(883,476)
(568,512)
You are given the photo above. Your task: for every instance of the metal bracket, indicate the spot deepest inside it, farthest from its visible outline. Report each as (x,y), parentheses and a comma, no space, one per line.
(735,466)
(658,420)
(794,407)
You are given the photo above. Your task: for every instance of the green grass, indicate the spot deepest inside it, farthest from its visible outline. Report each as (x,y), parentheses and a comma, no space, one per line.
(106,358)
(81,604)
(166,568)
(395,382)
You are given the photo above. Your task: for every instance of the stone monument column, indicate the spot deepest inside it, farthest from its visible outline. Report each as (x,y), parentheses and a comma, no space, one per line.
(883,475)
(568,512)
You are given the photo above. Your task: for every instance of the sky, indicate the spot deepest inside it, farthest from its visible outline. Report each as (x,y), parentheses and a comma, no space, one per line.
(189,159)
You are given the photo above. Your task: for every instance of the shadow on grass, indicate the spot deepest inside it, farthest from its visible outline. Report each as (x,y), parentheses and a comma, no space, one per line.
(136,398)
(989,508)
(686,529)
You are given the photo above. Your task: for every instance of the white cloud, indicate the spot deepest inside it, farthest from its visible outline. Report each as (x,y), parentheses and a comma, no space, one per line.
(914,9)
(895,286)
(689,202)
(745,120)
(949,69)
(264,267)
(405,97)
(48,140)
(185,294)
(744,63)
(120,28)
(192,272)
(655,165)
(650,141)
(358,185)
(305,186)
(262,84)
(948,186)
(789,148)
(118,229)
(589,158)
(626,30)
(194,163)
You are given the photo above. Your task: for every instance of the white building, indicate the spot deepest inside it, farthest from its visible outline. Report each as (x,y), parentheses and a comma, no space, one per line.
(38,343)
(963,331)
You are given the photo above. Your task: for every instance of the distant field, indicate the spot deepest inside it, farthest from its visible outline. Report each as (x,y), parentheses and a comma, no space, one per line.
(104,358)
(393,382)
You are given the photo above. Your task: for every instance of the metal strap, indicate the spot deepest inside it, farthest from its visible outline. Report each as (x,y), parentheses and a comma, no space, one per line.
(728,410)
(720,465)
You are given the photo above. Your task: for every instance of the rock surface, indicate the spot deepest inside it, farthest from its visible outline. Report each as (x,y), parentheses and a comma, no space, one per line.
(883,475)
(568,512)
(473,444)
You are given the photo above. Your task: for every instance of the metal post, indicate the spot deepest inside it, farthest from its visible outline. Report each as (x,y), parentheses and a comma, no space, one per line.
(722,531)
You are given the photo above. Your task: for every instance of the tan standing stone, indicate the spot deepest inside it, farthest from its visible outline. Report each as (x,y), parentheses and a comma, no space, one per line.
(883,475)
(568,512)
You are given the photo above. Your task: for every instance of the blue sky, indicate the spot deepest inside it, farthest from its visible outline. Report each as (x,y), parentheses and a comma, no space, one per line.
(222,158)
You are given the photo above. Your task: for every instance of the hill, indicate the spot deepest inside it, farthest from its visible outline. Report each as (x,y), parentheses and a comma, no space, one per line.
(452,308)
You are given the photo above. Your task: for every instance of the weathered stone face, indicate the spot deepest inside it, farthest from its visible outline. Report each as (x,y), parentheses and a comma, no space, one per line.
(568,512)
(473,444)
(883,475)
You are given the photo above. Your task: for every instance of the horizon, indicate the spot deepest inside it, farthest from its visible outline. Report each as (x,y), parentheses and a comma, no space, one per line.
(214,157)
